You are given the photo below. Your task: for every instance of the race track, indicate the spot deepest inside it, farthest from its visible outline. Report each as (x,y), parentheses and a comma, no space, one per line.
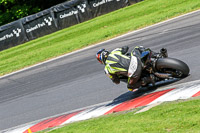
(78,80)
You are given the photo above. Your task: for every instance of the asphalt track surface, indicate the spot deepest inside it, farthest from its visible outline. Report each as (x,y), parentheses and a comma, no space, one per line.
(78,80)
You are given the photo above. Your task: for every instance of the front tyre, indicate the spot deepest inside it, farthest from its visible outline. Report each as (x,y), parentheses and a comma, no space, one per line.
(175,67)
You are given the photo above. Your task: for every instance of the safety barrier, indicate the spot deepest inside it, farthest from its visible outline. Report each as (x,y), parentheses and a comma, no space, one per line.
(56,18)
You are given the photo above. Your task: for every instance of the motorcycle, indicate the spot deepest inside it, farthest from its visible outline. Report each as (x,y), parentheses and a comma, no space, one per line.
(161,66)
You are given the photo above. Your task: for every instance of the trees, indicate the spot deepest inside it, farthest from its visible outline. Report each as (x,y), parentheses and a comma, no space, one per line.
(11,10)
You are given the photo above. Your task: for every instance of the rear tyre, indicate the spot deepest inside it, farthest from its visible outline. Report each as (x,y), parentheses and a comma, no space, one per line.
(175,67)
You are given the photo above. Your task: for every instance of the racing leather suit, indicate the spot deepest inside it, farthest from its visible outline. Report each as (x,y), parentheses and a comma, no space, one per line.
(118,64)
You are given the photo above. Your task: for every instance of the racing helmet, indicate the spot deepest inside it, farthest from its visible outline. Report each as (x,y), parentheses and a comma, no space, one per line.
(102,55)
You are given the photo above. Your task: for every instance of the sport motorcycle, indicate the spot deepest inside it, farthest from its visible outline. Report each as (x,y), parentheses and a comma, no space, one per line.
(161,66)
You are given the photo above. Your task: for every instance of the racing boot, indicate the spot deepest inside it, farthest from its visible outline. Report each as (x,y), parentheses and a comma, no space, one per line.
(147,80)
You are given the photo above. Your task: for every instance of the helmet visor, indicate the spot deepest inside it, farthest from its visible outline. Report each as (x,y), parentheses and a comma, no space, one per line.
(99,58)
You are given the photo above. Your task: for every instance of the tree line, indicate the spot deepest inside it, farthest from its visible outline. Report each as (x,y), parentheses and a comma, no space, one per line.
(11,10)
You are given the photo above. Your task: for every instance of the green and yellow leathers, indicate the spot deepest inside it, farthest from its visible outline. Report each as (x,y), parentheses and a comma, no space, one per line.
(117,62)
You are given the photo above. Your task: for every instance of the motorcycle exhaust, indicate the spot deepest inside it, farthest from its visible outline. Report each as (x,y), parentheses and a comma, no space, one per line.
(163,75)
(163,51)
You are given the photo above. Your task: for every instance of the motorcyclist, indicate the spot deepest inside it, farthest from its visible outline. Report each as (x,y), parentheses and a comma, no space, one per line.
(118,63)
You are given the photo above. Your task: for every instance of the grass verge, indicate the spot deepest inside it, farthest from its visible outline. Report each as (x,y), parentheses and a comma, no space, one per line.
(101,28)
(175,117)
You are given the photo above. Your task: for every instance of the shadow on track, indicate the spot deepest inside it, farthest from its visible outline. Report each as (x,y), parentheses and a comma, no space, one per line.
(142,91)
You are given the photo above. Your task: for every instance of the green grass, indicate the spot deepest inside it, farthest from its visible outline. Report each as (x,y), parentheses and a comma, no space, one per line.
(96,30)
(176,117)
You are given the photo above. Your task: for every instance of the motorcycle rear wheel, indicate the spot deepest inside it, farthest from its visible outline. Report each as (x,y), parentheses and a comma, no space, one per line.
(175,67)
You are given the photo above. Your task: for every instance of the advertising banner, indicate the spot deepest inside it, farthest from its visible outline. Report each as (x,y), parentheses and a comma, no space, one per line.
(11,35)
(39,24)
(55,18)
(84,11)
(134,1)
(100,7)
(71,13)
